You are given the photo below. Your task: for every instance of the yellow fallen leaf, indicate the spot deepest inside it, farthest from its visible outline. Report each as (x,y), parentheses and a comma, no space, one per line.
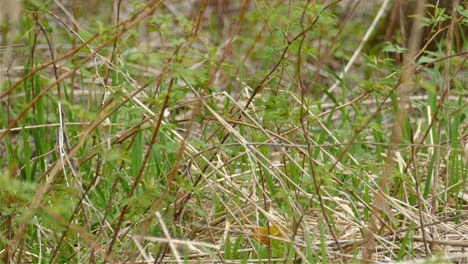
(263,234)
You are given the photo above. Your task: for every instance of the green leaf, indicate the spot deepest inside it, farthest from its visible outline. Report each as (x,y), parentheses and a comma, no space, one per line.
(389,47)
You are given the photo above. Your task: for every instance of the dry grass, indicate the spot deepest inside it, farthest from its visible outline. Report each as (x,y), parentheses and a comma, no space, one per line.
(250,132)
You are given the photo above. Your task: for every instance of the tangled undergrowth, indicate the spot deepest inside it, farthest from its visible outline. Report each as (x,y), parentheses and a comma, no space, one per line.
(233,132)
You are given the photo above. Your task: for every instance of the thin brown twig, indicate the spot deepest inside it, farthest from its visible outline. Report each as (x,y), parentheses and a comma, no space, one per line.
(379,195)
(305,130)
